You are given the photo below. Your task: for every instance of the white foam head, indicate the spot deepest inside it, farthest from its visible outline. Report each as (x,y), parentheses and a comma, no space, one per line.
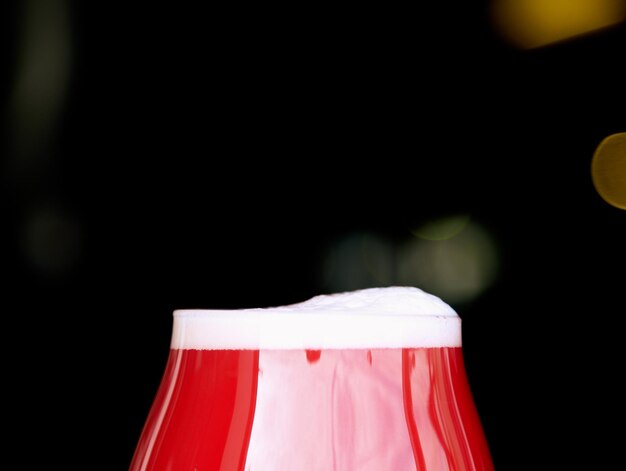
(396,317)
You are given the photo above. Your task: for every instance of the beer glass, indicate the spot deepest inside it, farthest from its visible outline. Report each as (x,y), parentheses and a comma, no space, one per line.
(371,380)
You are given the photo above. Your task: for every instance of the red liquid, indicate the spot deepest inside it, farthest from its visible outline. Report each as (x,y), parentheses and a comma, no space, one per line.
(328,410)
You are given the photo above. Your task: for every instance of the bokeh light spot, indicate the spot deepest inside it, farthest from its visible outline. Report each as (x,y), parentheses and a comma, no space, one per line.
(443,228)
(458,265)
(42,74)
(357,261)
(457,269)
(534,23)
(608,170)
(51,241)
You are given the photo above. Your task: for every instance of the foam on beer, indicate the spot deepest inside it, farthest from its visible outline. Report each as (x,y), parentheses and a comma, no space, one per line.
(395,317)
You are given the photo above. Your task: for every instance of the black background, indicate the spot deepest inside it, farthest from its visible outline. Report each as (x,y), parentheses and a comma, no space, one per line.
(212,156)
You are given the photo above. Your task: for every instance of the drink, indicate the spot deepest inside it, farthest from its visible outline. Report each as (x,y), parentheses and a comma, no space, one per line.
(371,380)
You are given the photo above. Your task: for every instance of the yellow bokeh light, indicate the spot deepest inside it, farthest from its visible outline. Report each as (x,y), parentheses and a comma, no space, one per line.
(608,170)
(534,23)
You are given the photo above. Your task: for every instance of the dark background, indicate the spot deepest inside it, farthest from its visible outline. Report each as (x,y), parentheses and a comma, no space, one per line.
(211,158)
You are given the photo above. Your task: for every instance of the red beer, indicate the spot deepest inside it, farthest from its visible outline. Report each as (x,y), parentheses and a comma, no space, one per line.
(365,381)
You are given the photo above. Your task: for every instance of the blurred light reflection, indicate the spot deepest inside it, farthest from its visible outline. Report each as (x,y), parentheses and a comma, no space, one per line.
(51,241)
(451,257)
(533,23)
(360,260)
(443,228)
(42,75)
(608,170)
(457,269)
